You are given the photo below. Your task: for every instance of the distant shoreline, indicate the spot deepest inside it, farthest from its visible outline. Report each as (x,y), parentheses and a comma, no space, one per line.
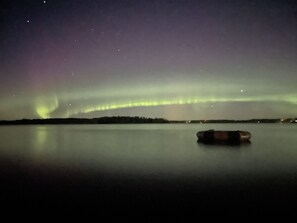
(134,120)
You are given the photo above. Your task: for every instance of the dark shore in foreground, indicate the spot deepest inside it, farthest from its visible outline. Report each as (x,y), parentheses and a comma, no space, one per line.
(134,120)
(69,190)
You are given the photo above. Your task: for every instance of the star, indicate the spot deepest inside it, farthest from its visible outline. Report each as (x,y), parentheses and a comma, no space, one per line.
(241,91)
(44,2)
(28,20)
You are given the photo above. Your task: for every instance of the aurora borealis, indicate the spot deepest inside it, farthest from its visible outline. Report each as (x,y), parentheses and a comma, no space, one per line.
(172,59)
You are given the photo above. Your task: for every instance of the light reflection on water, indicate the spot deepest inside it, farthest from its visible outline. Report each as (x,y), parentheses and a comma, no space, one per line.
(166,149)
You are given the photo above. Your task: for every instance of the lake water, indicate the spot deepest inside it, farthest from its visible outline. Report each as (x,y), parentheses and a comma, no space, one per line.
(162,150)
(148,156)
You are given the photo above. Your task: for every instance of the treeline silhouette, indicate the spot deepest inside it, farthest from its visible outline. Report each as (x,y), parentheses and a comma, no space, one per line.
(134,120)
(128,120)
(101,120)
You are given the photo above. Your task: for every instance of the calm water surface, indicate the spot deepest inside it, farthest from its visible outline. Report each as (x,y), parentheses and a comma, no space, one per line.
(153,150)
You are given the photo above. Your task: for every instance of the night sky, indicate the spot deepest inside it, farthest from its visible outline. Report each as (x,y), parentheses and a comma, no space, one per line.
(209,59)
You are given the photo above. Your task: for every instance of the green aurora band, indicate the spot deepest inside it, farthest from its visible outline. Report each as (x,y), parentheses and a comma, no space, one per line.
(46,108)
(254,100)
